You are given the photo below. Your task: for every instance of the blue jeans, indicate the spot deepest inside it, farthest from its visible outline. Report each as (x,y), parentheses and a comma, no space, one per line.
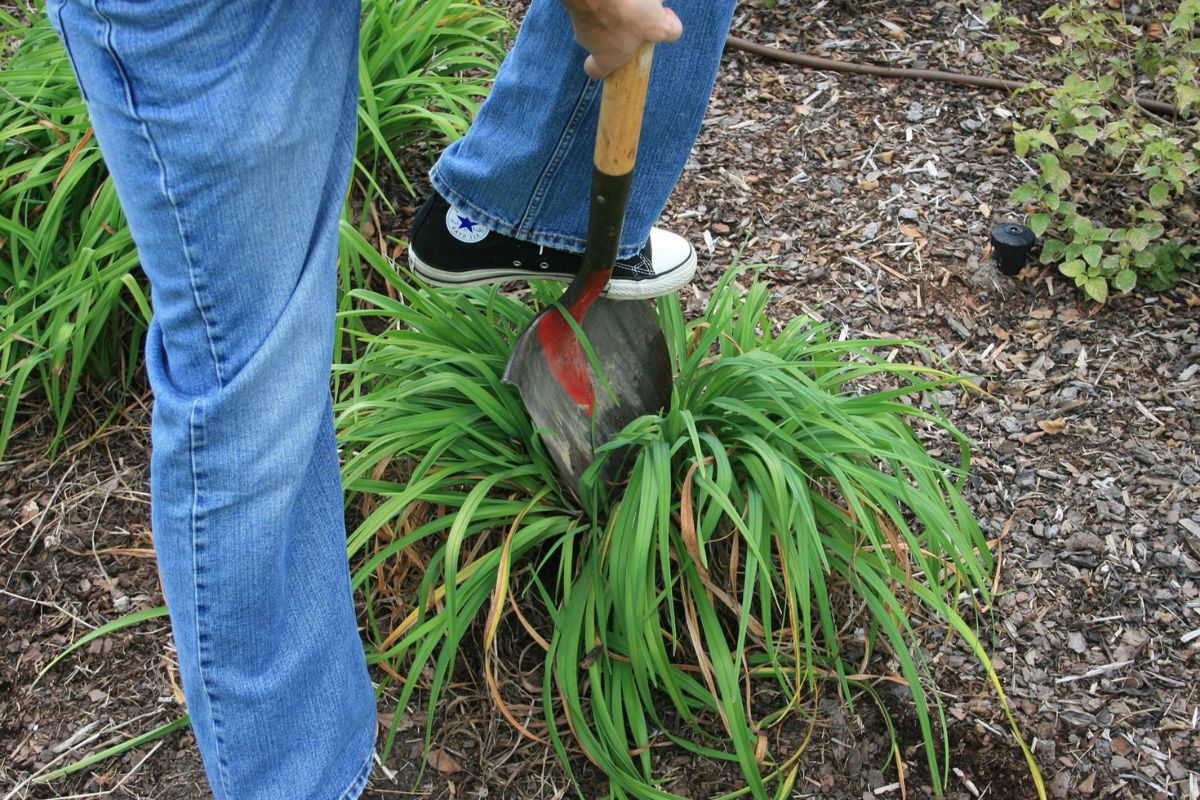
(525,165)
(228,127)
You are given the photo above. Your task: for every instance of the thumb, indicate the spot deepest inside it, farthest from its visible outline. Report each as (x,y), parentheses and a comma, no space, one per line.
(670,29)
(593,69)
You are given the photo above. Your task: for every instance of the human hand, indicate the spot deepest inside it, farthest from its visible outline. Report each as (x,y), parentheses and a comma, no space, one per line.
(612,30)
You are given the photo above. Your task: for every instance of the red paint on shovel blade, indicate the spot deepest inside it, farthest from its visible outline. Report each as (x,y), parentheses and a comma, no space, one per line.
(564,353)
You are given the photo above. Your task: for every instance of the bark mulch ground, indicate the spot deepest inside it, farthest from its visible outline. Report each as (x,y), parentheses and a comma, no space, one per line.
(868,203)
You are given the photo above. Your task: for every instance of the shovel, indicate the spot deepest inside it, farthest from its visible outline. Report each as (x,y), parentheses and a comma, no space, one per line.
(580,396)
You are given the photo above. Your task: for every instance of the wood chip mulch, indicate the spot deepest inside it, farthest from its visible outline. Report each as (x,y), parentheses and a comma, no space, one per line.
(868,203)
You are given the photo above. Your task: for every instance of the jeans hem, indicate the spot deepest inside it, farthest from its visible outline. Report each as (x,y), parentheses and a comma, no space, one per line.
(558,241)
(359,782)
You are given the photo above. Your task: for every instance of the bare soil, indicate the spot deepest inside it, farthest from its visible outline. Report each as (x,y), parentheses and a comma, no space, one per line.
(868,203)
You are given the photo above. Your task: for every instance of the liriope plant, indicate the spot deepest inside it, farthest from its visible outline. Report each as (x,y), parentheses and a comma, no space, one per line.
(72,301)
(424,66)
(782,501)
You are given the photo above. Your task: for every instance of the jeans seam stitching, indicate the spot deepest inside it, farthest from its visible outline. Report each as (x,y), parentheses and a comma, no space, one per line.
(152,146)
(193,426)
(62,30)
(196,441)
(360,779)
(585,100)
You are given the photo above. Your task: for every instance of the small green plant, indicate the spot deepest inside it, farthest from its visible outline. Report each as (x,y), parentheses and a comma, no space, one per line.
(1114,190)
(780,504)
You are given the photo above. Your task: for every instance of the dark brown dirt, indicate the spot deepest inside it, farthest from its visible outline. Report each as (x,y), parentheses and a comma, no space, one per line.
(868,203)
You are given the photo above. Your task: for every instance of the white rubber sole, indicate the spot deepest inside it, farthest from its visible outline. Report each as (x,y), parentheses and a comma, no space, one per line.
(671,280)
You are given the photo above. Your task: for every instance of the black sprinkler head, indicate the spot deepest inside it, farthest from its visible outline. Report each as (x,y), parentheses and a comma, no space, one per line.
(1011,243)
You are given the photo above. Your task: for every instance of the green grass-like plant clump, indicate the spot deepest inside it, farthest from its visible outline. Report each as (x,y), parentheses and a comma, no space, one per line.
(781,503)
(72,301)
(424,66)
(69,300)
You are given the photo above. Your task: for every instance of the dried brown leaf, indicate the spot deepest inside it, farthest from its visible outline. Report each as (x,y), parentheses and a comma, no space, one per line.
(442,761)
(1053,425)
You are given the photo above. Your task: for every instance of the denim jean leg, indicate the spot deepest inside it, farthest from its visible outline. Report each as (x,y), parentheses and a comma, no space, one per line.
(525,165)
(228,127)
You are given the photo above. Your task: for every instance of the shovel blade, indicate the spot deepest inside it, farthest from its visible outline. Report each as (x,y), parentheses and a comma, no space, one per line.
(565,397)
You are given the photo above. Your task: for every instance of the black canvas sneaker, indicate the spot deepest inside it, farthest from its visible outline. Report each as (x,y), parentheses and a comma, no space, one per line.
(450,248)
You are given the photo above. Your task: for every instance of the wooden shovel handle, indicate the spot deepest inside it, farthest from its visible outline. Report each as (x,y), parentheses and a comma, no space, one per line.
(621,105)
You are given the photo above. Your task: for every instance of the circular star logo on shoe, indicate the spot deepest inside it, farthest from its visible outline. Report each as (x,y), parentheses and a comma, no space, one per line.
(464,228)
